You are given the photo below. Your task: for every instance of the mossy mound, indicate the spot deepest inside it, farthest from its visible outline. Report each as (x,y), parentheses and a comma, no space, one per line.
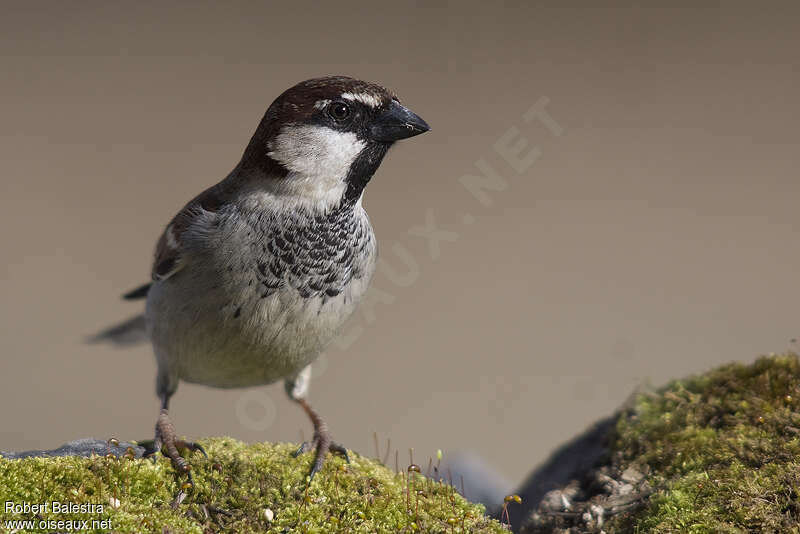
(717,453)
(239,488)
(723,449)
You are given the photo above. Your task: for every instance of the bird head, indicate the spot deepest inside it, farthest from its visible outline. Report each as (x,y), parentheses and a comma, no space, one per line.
(324,138)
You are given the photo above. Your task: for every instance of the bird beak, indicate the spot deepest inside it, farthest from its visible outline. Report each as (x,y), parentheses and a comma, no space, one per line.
(397,122)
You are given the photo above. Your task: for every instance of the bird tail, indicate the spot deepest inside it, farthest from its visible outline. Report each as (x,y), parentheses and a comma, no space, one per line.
(125,334)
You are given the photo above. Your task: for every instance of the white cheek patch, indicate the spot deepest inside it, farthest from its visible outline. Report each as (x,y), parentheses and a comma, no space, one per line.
(318,159)
(365,98)
(316,151)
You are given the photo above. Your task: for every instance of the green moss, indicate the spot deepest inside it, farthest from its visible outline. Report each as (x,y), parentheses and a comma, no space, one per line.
(722,450)
(236,489)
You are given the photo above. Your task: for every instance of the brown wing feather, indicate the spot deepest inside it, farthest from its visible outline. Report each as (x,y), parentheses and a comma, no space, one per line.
(167,259)
(167,256)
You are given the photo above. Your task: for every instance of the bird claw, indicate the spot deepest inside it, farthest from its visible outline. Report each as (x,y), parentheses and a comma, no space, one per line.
(323,444)
(170,446)
(149,446)
(191,446)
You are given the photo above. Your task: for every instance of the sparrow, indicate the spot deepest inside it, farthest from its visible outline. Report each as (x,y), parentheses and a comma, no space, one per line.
(256,275)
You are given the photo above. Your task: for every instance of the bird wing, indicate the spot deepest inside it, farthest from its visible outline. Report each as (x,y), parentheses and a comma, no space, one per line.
(168,258)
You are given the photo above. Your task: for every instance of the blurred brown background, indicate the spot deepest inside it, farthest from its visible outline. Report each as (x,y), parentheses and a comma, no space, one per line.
(656,237)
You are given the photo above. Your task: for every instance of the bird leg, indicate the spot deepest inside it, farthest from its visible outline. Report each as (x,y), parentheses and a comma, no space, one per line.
(321,442)
(170,446)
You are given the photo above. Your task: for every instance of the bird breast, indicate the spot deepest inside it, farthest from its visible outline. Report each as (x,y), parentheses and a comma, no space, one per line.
(269,292)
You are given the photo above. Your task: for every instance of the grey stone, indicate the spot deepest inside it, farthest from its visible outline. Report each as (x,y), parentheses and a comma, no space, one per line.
(570,461)
(80,447)
(632,476)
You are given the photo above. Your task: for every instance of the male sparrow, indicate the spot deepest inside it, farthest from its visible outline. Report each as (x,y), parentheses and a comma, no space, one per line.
(255,275)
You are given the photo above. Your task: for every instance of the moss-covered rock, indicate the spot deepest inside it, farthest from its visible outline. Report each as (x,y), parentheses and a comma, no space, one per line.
(239,488)
(715,453)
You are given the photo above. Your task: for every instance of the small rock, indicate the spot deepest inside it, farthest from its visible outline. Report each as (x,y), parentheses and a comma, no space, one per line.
(631,475)
(608,484)
(597,512)
(625,489)
(552,501)
(560,500)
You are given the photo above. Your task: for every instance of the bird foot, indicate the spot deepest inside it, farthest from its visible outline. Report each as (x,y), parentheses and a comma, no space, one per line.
(323,444)
(167,442)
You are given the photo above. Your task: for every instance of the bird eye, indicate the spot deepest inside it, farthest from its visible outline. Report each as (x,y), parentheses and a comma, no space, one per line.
(339,111)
